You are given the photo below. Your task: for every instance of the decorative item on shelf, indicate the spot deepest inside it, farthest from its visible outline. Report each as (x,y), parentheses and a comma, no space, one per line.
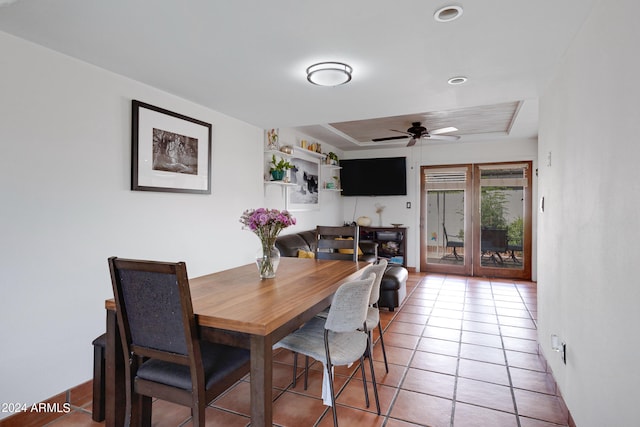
(278,168)
(379,210)
(332,158)
(303,143)
(286,149)
(396,225)
(272,140)
(267,224)
(363,221)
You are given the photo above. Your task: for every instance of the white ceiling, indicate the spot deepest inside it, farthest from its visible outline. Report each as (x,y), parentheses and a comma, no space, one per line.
(247,58)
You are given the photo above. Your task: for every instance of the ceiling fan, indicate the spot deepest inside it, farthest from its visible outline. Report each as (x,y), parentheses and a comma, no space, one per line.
(417,131)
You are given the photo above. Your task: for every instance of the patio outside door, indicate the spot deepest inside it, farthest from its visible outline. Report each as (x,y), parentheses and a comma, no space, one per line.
(502,224)
(445,225)
(476,220)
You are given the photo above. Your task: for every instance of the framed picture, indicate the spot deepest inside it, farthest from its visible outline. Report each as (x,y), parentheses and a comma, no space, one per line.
(304,174)
(170,152)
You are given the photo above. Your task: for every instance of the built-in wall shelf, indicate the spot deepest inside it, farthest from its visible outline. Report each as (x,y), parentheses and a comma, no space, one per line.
(280,183)
(296,151)
(327,173)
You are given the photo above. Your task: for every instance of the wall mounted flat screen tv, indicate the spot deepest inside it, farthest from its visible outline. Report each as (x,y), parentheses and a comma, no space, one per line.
(374,177)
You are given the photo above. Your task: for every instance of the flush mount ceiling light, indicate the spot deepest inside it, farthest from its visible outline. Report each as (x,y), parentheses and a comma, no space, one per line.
(458,80)
(329,73)
(448,13)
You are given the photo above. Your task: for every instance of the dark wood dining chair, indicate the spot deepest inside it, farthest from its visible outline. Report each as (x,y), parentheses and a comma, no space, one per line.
(167,360)
(337,242)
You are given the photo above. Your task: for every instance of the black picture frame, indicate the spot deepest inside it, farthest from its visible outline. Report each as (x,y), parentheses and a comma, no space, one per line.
(170,152)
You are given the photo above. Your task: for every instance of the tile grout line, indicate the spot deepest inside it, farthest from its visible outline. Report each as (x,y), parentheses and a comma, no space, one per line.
(506,361)
(457,375)
(407,367)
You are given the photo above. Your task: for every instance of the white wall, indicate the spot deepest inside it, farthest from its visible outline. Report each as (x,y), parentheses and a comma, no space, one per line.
(65,139)
(588,289)
(428,154)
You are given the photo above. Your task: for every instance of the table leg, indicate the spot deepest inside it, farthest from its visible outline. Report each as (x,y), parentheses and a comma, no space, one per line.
(261,381)
(115,390)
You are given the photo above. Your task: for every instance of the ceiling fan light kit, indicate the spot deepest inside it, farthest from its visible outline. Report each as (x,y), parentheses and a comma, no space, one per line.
(329,73)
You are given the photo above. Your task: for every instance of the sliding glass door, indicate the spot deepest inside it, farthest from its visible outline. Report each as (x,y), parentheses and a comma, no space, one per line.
(476,220)
(444,226)
(503,220)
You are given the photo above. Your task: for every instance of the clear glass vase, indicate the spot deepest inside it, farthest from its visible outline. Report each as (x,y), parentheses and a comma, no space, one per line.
(267,260)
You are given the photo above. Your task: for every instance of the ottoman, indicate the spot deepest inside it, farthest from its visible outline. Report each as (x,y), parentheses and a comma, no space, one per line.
(393,288)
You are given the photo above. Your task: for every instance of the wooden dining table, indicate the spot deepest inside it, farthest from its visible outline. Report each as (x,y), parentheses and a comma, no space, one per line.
(238,308)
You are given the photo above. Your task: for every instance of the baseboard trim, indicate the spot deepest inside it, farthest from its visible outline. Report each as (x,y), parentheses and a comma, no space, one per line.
(547,368)
(77,398)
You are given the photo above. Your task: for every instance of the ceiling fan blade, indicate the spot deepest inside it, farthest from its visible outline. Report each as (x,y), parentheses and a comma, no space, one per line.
(443,130)
(412,142)
(442,137)
(388,138)
(401,131)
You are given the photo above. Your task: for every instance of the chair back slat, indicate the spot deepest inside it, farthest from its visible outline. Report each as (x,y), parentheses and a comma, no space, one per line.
(337,242)
(348,310)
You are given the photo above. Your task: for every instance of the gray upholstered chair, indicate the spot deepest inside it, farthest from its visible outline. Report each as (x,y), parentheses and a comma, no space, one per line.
(373,317)
(341,339)
(159,333)
(373,313)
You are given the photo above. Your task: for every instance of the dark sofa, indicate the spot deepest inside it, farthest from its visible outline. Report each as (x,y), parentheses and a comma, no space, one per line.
(393,288)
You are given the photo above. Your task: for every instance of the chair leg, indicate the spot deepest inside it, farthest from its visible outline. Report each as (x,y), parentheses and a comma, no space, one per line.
(197,414)
(333,396)
(306,371)
(295,369)
(140,410)
(330,376)
(97,410)
(373,380)
(364,381)
(384,351)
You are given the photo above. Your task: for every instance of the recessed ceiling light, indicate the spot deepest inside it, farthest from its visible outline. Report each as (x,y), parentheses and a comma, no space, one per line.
(329,73)
(458,80)
(448,13)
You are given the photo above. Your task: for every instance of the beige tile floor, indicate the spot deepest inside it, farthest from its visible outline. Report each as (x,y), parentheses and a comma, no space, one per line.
(462,352)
